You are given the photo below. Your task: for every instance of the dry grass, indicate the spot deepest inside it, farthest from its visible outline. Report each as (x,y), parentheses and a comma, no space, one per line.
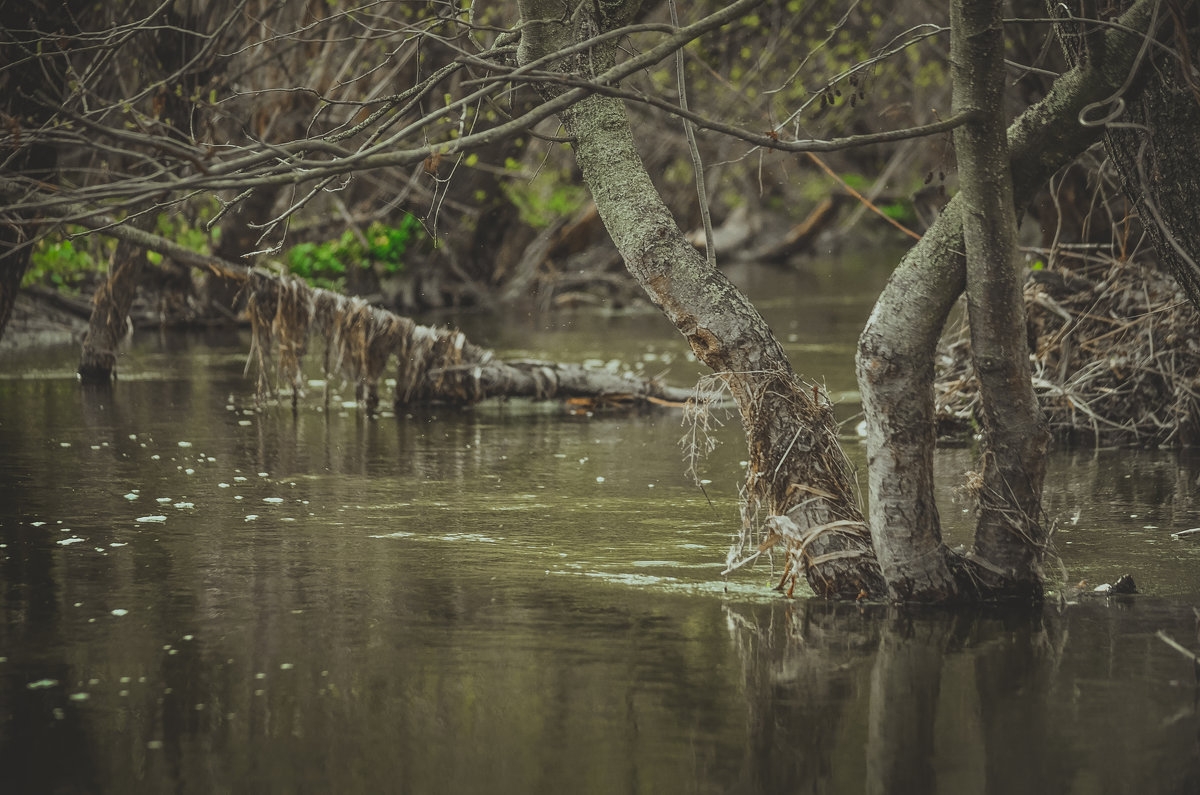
(1116,357)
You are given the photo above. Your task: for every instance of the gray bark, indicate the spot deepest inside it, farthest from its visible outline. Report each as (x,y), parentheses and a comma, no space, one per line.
(797,470)
(896,348)
(1159,131)
(1008,537)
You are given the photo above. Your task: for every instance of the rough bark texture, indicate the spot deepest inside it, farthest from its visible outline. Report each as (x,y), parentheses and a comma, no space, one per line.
(797,470)
(1159,131)
(1009,539)
(896,349)
(110,315)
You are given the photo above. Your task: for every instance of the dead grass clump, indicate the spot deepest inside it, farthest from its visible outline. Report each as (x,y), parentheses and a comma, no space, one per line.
(1115,357)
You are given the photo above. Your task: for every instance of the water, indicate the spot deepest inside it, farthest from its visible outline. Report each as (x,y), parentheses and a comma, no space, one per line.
(202,597)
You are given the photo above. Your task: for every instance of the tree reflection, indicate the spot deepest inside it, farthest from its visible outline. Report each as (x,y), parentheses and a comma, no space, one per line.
(883,700)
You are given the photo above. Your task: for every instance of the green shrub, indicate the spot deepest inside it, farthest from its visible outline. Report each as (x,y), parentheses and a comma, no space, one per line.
(327,264)
(62,263)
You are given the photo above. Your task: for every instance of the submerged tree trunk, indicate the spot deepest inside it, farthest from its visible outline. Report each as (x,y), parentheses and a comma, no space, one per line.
(896,349)
(797,472)
(1009,539)
(110,315)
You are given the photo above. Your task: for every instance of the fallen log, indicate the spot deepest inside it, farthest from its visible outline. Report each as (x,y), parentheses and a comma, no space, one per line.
(432,365)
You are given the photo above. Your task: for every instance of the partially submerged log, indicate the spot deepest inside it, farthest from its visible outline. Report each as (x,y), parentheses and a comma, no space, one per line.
(433,365)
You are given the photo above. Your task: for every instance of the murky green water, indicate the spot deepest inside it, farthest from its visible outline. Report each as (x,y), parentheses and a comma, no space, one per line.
(199,597)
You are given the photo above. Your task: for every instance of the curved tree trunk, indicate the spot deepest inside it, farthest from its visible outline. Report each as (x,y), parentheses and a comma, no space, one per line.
(797,471)
(896,349)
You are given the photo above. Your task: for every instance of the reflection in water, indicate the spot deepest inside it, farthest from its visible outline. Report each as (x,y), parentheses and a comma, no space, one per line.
(199,596)
(843,699)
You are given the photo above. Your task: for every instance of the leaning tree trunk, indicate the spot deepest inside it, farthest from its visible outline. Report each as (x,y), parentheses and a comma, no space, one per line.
(797,473)
(896,349)
(1009,539)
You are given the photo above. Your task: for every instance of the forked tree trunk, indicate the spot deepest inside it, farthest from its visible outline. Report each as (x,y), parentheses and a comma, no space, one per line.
(797,473)
(896,349)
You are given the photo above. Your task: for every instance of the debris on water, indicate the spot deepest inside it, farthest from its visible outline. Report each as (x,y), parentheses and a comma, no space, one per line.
(264,474)
(273,499)
(64,444)
(185,444)
(79,696)
(1124,585)
(120,611)
(154,745)
(285,666)
(250,517)
(600,479)
(72,540)
(1183,533)
(163,499)
(117,543)
(36,524)
(155,518)
(185,505)
(133,495)
(42,684)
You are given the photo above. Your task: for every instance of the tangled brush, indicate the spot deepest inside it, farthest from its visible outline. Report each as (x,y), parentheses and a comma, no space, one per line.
(1115,357)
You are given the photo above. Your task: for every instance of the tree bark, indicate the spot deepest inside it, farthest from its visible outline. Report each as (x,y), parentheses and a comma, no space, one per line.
(1009,539)
(896,349)
(1159,131)
(797,470)
(110,315)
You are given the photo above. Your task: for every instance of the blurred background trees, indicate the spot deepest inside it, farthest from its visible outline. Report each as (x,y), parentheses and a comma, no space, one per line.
(151,90)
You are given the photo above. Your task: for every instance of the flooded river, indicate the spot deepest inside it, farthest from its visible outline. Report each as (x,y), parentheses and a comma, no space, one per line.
(200,596)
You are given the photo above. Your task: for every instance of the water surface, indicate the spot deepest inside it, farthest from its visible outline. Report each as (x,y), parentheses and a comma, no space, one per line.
(201,595)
